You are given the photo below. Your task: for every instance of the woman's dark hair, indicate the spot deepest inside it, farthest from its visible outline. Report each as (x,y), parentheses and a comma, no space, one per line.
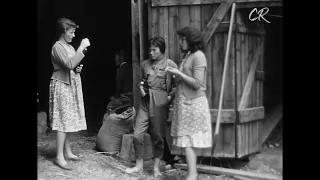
(158,42)
(193,38)
(63,24)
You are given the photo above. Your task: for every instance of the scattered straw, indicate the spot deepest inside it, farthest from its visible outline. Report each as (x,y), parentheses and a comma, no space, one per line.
(96,165)
(63,175)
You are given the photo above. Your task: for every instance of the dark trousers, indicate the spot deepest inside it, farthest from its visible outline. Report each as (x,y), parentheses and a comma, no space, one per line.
(167,156)
(156,125)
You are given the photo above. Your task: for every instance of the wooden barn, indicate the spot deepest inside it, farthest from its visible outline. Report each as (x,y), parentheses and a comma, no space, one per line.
(252,98)
(244,122)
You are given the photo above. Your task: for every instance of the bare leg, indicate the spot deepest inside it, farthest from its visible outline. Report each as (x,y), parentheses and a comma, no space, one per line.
(156,169)
(138,168)
(67,147)
(139,164)
(61,137)
(141,126)
(192,162)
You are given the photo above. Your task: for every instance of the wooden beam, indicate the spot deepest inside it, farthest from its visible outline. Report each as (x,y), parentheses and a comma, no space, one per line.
(141,29)
(224,26)
(215,21)
(230,172)
(245,115)
(227,115)
(241,178)
(135,52)
(127,151)
(194,2)
(251,114)
(260,4)
(250,78)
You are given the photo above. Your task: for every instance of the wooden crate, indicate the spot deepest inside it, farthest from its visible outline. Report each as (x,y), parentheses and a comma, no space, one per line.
(42,123)
(127,151)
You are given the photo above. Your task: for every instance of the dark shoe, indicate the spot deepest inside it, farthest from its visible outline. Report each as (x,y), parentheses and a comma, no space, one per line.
(66,167)
(48,131)
(172,162)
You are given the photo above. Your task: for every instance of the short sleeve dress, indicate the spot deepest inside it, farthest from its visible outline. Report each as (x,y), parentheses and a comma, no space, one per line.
(191,120)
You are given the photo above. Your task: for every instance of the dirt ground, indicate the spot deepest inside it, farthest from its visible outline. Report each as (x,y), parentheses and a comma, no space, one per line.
(97,166)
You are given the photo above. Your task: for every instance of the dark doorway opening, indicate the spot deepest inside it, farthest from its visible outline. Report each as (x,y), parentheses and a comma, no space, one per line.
(107,24)
(273,59)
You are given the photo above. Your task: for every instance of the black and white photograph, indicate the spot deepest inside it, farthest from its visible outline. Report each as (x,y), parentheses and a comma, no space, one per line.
(160,90)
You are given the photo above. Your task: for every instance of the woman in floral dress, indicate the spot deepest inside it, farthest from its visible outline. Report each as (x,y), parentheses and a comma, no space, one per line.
(66,108)
(191,121)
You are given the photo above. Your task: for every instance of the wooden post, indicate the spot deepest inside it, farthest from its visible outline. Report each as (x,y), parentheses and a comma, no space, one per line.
(141,31)
(127,151)
(230,172)
(216,133)
(135,53)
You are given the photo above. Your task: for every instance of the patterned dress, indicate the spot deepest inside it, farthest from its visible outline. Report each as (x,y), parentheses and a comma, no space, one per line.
(66,106)
(191,121)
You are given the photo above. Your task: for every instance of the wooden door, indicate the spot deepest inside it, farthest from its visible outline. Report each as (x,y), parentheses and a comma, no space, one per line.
(249,45)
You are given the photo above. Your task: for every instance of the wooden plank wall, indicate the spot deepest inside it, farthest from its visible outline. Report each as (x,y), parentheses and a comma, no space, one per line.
(166,20)
(249,132)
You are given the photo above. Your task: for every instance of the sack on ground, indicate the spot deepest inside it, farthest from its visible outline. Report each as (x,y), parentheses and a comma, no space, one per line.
(114,126)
